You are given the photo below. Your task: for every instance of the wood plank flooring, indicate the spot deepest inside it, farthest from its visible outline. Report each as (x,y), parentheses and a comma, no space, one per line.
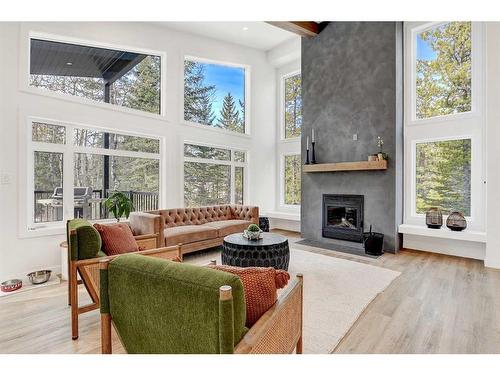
(439,304)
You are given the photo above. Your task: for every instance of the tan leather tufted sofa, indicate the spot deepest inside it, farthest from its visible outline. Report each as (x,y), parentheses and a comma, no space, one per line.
(195,228)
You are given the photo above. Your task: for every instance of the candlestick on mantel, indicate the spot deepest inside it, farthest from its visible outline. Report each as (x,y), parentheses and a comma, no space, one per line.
(307,150)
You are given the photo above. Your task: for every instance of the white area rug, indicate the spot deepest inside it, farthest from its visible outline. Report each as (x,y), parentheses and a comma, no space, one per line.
(336,291)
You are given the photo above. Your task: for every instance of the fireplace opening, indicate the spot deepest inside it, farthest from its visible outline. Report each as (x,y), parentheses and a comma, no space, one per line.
(343,217)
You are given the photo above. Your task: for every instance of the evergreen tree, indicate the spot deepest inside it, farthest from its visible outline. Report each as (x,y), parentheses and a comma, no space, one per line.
(242,114)
(229,116)
(444,82)
(140,87)
(198,98)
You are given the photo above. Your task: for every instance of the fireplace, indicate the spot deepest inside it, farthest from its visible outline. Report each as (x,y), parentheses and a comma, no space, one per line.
(343,217)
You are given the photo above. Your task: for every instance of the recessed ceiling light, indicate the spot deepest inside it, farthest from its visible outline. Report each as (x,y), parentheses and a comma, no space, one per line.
(245,28)
(69,63)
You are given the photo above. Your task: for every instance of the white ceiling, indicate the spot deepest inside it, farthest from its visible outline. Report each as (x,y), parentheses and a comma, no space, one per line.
(258,35)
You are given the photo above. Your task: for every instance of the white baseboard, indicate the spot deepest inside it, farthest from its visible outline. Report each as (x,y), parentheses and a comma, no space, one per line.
(465,249)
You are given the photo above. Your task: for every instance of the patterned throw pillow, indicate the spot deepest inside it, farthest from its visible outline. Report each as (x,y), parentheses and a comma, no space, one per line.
(116,238)
(260,285)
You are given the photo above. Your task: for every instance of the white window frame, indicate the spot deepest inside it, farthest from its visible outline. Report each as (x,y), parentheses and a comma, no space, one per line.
(412,29)
(231,163)
(247,133)
(25,73)
(282,106)
(68,150)
(467,125)
(283,205)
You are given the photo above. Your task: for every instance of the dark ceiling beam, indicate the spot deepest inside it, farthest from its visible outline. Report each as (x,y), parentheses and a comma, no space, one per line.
(306,29)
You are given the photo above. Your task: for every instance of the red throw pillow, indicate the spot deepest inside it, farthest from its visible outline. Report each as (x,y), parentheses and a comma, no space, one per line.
(116,239)
(260,285)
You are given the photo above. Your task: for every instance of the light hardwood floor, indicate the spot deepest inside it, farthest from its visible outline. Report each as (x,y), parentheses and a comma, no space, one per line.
(439,304)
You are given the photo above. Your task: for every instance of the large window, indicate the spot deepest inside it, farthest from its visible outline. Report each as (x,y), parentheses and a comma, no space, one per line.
(124,78)
(291,178)
(91,163)
(443,70)
(214,95)
(443,175)
(444,121)
(292,105)
(213,175)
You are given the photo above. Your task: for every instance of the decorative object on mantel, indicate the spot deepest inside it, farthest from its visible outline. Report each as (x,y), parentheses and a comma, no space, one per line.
(346,166)
(11,285)
(307,151)
(373,242)
(372,157)
(381,154)
(39,277)
(313,142)
(434,218)
(456,221)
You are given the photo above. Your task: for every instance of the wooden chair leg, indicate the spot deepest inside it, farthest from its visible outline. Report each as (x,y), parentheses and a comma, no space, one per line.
(73,279)
(106,334)
(298,349)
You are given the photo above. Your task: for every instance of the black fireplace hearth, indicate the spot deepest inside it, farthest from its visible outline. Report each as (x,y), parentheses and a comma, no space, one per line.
(343,217)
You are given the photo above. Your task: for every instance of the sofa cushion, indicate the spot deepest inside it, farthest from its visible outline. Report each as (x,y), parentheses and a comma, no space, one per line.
(117,238)
(260,285)
(188,234)
(227,227)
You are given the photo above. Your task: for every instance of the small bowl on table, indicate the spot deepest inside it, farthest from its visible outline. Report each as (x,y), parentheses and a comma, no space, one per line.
(11,285)
(39,277)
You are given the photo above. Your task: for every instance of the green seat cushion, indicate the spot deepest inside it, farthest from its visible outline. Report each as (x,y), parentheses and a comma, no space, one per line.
(160,306)
(101,254)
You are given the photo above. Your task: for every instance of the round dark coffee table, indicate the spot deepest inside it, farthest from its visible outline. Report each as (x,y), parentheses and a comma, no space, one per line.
(270,251)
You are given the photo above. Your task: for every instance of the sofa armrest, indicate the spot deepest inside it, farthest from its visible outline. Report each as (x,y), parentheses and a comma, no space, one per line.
(279,330)
(143,223)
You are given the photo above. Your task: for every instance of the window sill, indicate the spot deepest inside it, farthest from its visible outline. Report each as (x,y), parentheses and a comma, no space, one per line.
(443,232)
(282,215)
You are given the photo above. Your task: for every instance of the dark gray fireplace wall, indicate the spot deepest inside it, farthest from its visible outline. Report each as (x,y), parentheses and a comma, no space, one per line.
(352,84)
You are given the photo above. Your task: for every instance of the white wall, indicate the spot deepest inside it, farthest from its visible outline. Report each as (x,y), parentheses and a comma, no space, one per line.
(20,255)
(492,258)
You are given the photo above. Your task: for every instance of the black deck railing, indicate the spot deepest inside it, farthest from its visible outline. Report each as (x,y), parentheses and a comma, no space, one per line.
(141,200)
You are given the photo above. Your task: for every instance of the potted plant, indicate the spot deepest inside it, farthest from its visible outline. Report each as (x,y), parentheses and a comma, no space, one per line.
(119,204)
(253,232)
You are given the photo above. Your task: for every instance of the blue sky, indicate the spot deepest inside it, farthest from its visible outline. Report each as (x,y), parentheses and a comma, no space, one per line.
(424,50)
(225,79)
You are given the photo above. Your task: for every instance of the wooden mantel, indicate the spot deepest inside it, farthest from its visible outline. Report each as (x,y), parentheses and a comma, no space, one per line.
(378,165)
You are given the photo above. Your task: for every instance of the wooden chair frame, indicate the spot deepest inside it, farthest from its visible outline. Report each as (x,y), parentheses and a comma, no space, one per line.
(88,269)
(278,331)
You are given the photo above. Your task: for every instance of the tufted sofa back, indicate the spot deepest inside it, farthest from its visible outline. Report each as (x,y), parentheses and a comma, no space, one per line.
(174,217)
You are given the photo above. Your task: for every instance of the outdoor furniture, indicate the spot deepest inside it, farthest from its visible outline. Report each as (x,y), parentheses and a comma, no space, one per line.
(164,307)
(84,255)
(269,251)
(197,228)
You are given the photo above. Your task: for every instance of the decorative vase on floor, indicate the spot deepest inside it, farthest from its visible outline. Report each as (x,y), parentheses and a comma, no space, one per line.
(434,218)
(456,221)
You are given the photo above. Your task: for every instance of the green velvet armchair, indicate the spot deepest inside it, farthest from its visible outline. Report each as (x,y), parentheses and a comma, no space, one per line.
(160,306)
(84,255)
